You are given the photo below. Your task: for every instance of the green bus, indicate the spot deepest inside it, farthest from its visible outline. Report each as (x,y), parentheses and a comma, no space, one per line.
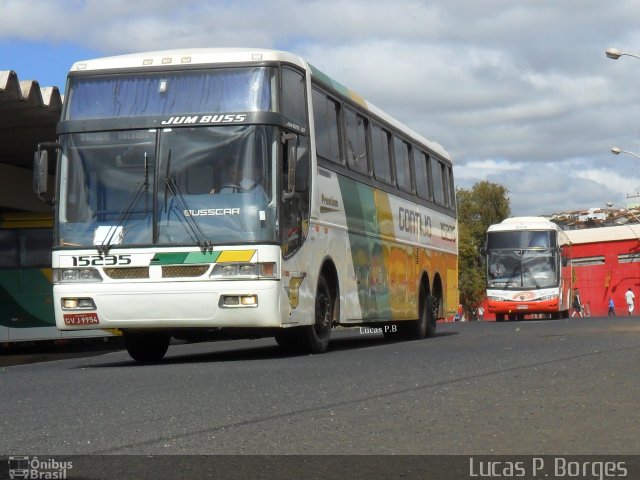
(26,293)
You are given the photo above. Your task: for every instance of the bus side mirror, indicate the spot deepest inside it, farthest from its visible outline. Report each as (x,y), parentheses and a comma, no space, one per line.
(41,169)
(40,172)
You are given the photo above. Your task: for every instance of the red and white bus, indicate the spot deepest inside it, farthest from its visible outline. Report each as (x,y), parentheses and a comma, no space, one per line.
(528,269)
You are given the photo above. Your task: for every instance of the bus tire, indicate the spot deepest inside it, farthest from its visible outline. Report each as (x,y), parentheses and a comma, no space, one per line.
(289,339)
(432,312)
(146,346)
(311,338)
(317,336)
(499,317)
(425,326)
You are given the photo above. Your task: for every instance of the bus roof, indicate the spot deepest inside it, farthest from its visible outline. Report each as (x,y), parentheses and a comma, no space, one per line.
(523,223)
(193,56)
(209,56)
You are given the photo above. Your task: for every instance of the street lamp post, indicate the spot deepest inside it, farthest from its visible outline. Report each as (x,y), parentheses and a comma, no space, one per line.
(618,151)
(615,54)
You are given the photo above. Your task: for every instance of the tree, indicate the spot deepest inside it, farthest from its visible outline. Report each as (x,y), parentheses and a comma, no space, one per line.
(483,205)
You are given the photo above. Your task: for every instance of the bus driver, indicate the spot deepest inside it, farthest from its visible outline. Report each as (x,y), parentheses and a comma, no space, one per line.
(236,183)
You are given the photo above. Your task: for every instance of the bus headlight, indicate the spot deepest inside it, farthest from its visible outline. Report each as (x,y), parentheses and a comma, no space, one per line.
(70,275)
(496,299)
(73,303)
(236,301)
(548,297)
(231,271)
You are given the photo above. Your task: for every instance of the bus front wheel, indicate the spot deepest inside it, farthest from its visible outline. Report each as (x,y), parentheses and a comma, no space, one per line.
(311,338)
(317,335)
(146,346)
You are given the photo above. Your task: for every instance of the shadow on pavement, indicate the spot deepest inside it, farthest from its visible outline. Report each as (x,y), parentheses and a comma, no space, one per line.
(21,353)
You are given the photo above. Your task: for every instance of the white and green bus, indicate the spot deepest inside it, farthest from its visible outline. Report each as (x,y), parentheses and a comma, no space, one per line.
(209,193)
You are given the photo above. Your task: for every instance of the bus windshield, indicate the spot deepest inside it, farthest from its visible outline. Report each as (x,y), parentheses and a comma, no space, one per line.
(181,186)
(521,239)
(247,89)
(526,268)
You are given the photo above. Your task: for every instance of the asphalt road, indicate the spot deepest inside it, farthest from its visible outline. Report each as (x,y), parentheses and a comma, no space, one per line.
(533,387)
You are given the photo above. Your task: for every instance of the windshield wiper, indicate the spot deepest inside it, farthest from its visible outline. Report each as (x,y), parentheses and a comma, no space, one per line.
(530,275)
(103,249)
(193,228)
(523,270)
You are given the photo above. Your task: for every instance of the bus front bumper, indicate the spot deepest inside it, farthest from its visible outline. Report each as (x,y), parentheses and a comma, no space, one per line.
(242,304)
(514,307)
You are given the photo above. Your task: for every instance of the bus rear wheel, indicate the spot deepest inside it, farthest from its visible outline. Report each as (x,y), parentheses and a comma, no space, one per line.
(433,308)
(425,326)
(146,346)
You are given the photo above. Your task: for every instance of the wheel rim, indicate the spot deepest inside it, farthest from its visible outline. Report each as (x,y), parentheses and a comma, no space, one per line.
(323,313)
(435,308)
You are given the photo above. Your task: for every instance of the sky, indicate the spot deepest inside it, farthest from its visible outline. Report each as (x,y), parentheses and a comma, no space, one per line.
(519,92)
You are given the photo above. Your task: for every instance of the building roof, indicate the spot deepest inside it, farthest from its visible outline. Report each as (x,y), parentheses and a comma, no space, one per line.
(28,116)
(604,234)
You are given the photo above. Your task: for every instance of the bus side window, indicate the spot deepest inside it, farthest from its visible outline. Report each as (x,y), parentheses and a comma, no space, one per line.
(10,257)
(452,190)
(325,114)
(403,166)
(421,174)
(294,105)
(35,247)
(356,141)
(380,153)
(438,182)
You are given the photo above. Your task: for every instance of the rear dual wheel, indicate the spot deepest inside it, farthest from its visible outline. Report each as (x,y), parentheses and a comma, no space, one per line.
(426,324)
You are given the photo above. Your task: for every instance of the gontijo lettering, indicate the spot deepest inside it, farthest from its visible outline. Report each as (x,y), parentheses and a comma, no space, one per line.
(414,222)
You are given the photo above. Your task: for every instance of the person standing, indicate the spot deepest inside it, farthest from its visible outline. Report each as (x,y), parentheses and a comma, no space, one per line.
(577,306)
(612,311)
(629,297)
(459,313)
(480,313)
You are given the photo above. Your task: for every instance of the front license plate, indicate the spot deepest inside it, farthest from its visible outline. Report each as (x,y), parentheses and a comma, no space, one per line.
(523,307)
(81,319)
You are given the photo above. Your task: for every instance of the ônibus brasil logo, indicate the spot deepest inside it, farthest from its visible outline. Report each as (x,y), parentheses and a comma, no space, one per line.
(37,469)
